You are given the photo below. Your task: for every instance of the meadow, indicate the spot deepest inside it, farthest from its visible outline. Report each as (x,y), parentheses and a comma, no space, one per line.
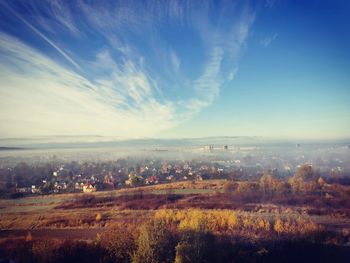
(252,215)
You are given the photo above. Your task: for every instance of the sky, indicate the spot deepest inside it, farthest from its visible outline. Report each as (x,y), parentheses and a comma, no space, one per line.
(174,69)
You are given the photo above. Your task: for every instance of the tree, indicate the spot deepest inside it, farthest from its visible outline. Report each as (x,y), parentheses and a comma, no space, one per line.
(267,184)
(196,246)
(278,226)
(98,217)
(283,188)
(47,188)
(305,172)
(321,182)
(247,191)
(230,186)
(119,242)
(154,244)
(135,179)
(303,179)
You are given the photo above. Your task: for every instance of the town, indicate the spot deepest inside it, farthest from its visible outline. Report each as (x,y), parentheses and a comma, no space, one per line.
(57,175)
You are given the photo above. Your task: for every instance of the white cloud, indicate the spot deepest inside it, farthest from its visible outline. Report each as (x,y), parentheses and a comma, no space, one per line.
(207,85)
(122,96)
(226,44)
(232,74)
(63,15)
(268,40)
(44,37)
(50,100)
(175,61)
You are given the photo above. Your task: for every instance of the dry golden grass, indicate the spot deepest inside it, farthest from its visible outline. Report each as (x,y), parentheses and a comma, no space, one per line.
(42,212)
(228,221)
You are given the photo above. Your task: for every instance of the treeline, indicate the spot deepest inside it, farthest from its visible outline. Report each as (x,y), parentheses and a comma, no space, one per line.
(304,187)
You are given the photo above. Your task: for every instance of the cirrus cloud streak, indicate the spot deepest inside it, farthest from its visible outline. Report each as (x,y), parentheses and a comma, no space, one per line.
(120,79)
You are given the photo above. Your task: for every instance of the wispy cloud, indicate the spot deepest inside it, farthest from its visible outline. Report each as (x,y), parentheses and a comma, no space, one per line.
(208,84)
(47,99)
(45,38)
(232,74)
(175,61)
(270,3)
(125,61)
(63,15)
(266,41)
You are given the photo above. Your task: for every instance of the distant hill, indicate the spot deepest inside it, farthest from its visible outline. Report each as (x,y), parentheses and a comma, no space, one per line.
(12,148)
(70,142)
(100,141)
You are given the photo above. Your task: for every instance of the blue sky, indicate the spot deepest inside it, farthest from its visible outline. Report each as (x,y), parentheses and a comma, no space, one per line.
(270,68)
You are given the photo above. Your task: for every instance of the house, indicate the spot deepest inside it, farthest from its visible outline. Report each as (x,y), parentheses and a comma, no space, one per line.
(199,177)
(170,177)
(152,180)
(35,190)
(128,182)
(23,190)
(89,188)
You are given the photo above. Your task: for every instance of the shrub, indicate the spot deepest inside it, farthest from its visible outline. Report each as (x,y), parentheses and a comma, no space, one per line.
(230,186)
(29,237)
(98,217)
(43,251)
(16,250)
(79,251)
(192,219)
(300,226)
(196,219)
(119,242)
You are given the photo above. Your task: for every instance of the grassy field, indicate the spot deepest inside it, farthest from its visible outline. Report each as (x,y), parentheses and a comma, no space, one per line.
(101,210)
(235,221)
(41,211)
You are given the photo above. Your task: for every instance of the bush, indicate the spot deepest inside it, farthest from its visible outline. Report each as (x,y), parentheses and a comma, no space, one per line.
(196,219)
(230,186)
(16,250)
(79,251)
(297,227)
(98,217)
(43,251)
(119,242)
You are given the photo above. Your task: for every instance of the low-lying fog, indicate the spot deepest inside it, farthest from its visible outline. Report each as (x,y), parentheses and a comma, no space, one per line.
(241,151)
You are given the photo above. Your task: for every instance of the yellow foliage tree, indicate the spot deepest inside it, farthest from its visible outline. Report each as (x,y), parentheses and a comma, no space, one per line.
(98,217)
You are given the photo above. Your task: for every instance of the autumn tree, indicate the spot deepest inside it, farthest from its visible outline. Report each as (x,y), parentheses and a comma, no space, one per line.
(230,186)
(98,217)
(154,244)
(283,188)
(267,185)
(247,191)
(119,242)
(304,179)
(135,179)
(196,246)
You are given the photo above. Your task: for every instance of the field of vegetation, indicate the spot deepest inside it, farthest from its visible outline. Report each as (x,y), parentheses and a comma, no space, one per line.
(269,220)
